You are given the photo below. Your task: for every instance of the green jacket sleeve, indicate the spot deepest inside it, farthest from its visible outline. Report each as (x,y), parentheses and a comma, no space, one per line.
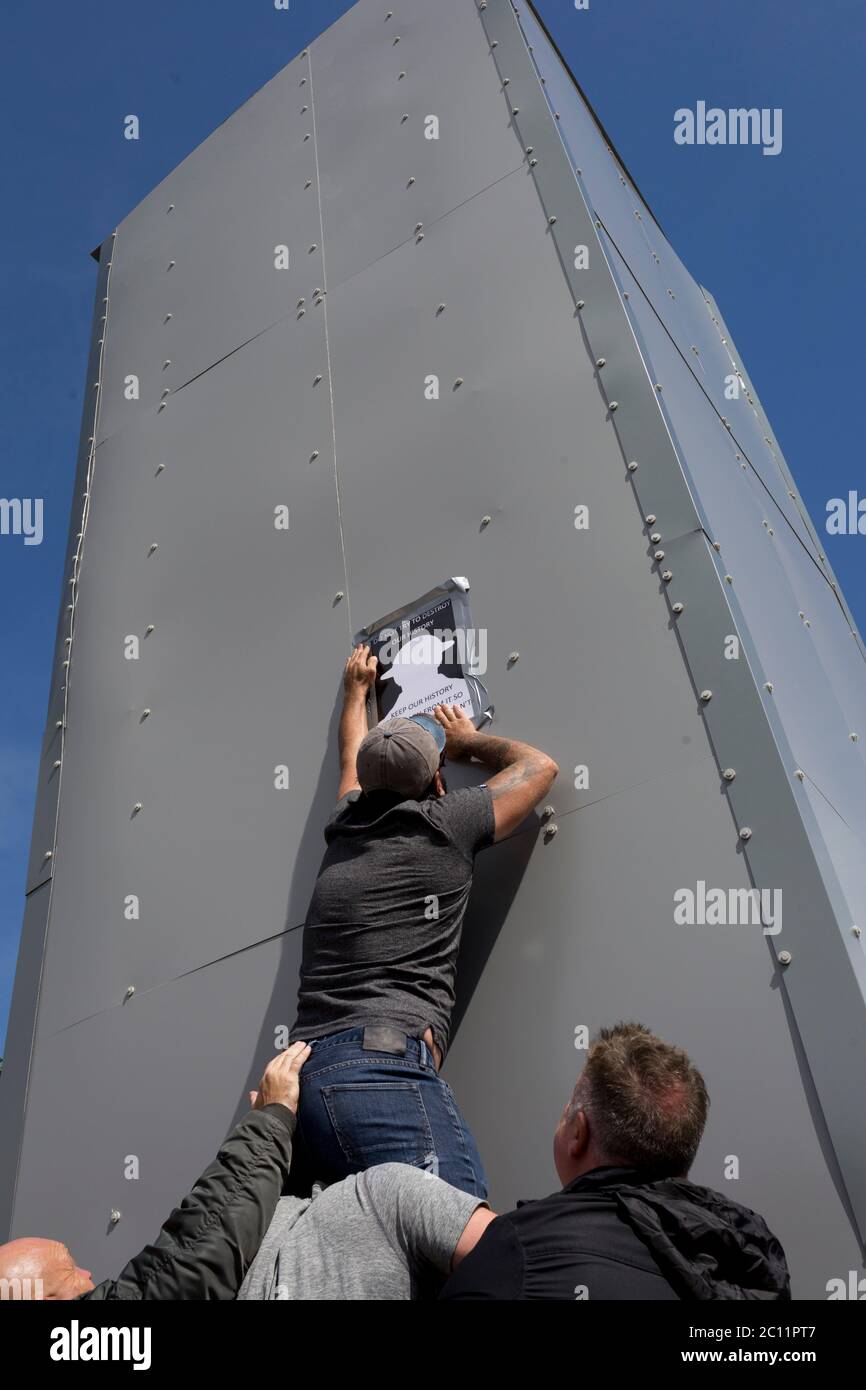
(208,1243)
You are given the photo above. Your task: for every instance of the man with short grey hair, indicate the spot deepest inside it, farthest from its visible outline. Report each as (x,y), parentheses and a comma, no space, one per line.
(627,1224)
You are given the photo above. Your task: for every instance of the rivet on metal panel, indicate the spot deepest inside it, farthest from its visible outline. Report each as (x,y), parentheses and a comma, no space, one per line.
(316,380)
(655,537)
(411,182)
(614,405)
(632,466)
(855,931)
(171,265)
(746,833)
(785,957)
(308,184)
(136,808)
(581,303)
(301,313)
(339,596)
(114,1216)
(659,555)
(168,318)
(160,468)
(419,238)
(313,248)
(458,382)
(59,723)
(601,361)
(440,309)
(678,608)
(547,812)
(57,762)
(49,854)
(768,685)
(513,658)
(145,714)
(170,207)
(166,363)
(404,118)
(154,546)
(729,774)
(306,138)
(495,43)
(716,545)
(799,774)
(130,991)
(149,629)
(533,163)
(549,832)
(658,386)
(729,579)
(650,518)
(485,522)
(314,455)
(706,696)
(551,220)
(854,737)
(400,76)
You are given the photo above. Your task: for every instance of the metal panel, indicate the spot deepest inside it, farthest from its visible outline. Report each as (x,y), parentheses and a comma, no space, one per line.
(472,454)
(161,1079)
(19,1042)
(631,235)
(194,273)
(376,83)
(241,615)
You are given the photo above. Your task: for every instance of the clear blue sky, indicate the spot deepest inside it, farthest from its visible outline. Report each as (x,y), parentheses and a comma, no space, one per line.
(778,241)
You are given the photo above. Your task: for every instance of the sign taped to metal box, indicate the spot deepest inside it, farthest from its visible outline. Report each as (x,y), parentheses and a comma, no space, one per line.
(429,654)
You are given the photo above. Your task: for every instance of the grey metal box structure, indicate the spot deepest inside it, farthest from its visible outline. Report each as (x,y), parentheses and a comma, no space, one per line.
(446,247)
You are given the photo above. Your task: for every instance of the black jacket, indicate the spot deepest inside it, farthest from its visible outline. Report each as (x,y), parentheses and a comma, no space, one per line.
(618,1233)
(209,1242)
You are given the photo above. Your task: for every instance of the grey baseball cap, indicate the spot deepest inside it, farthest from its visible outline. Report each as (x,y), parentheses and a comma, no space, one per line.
(401,755)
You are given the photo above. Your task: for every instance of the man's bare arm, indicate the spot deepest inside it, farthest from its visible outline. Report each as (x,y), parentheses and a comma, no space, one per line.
(524,775)
(358,676)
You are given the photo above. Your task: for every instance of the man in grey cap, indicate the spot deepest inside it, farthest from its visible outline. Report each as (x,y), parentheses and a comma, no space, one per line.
(383,931)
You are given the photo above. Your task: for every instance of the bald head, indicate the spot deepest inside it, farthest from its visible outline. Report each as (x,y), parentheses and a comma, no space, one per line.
(44,1268)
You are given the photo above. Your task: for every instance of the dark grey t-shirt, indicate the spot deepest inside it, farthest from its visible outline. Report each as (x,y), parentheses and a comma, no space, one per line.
(383,929)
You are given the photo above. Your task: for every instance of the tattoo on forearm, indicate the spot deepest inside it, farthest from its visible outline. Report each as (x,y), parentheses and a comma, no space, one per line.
(516,775)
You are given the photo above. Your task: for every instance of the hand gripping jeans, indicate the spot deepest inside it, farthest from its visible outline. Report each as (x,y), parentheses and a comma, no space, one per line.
(360,1106)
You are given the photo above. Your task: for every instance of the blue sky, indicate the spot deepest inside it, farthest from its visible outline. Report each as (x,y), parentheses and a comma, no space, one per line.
(779,241)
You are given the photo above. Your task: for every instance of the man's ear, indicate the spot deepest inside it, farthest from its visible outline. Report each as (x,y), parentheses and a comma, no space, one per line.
(438,783)
(578,1134)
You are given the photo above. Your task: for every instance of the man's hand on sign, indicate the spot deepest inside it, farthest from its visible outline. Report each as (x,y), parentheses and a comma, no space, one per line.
(360,672)
(460,732)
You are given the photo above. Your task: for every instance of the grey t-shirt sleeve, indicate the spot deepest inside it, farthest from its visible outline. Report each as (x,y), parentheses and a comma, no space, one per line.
(421,1215)
(466,817)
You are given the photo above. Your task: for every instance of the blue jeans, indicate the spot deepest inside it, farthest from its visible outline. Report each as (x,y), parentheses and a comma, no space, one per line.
(360,1107)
